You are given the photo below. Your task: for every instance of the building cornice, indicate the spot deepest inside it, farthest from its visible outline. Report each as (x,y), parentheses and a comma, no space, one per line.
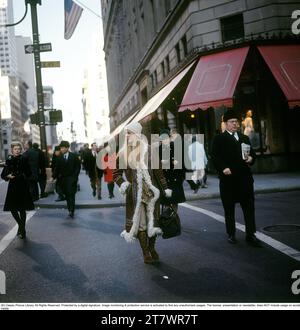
(173,16)
(109,25)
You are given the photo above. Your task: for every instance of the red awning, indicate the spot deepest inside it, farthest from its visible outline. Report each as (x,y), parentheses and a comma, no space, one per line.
(214,80)
(284,62)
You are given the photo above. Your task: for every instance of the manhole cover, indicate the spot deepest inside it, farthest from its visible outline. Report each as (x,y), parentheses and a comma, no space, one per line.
(282,228)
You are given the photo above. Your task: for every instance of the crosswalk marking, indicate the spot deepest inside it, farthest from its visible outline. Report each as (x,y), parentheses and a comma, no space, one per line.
(283,248)
(9,237)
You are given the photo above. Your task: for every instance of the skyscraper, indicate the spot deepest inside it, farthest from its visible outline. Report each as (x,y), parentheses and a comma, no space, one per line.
(8,53)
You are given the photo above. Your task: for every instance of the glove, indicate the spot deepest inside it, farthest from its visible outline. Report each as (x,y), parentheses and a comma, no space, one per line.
(124,186)
(168,193)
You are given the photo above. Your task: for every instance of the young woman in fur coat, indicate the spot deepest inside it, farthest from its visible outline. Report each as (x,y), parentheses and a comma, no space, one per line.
(140,185)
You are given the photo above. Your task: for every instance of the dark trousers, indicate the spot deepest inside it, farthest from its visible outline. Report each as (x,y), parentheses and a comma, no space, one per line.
(110,187)
(96,182)
(42,184)
(69,188)
(70,202)
(20,217)
(192,184)
(34,189)
(249,215)
(59,190)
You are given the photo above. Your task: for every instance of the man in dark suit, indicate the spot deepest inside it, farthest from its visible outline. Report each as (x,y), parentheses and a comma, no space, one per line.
(232,156)
(95,174)
(67,171)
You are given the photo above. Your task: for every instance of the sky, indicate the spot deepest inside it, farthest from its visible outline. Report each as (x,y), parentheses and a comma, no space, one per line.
(73,54)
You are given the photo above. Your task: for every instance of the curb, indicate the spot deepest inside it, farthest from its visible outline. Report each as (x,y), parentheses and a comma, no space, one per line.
(189,198)
(79,206)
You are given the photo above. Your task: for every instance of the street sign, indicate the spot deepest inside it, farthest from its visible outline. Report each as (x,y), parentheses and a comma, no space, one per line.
(36,118)
(55,116)
(29,49)
(50,64)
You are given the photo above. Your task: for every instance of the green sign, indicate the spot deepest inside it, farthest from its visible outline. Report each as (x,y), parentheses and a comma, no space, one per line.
(55,116)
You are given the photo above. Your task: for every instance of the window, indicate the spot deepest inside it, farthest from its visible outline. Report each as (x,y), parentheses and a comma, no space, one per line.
(155,77)
(144,96)
(184,45)
(167,65)
(163,69)
(177,48)
(232,27)
(152,81)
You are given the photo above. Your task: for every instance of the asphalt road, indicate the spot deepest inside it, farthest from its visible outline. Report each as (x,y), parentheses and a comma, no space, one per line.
(85,259)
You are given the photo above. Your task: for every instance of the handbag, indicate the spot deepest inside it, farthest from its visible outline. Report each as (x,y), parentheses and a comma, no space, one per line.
(169,220)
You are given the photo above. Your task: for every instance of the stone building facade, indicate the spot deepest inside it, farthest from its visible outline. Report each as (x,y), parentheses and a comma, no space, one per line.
(148,42)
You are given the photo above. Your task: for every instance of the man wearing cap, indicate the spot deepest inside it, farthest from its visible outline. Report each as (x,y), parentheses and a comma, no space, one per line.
(232,156)
(67,171)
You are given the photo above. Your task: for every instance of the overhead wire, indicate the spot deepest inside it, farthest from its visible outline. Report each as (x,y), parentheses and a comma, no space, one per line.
(21,20)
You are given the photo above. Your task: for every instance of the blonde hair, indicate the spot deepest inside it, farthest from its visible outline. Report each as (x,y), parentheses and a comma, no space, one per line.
(16,144)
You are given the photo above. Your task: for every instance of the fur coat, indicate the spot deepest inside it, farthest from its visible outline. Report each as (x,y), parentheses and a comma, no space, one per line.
(131,185)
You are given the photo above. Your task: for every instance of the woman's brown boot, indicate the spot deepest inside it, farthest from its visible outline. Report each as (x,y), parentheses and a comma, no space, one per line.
(143,239)
(154,254)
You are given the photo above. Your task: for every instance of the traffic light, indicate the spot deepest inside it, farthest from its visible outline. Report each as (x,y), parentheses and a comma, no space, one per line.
(33,119)
(36,118)
(55,116)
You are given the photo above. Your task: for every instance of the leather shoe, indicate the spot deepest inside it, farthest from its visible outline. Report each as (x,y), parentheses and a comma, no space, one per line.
(231,239)
(71,215)
(252,240)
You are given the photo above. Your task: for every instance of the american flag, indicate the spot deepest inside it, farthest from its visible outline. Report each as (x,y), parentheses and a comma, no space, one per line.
(72,16)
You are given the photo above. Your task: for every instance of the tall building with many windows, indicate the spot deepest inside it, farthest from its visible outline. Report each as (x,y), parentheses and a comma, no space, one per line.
(182,63)
(8,53)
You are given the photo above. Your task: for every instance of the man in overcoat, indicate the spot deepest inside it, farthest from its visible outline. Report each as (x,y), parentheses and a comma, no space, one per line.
(232,156)
(67,171)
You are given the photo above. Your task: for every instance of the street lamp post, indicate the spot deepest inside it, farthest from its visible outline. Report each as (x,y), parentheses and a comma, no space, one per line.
(38,74)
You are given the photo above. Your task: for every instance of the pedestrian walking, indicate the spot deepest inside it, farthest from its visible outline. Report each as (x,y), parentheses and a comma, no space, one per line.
(198,161)
(108,172)
(95,174)
(174,177)
(142,195)
(42,175)
(84,155)
(67,171)
(58,188)
(232,156)
(32,156)
(18,198)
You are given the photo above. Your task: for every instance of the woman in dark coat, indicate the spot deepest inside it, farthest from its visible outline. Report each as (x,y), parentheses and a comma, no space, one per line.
(18,198)
(174,177)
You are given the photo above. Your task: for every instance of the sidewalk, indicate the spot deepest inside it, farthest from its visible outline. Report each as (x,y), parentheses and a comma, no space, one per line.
(264,183)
